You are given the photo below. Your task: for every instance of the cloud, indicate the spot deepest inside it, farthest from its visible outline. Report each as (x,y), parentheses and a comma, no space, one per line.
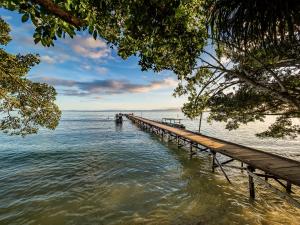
(98,69)
(47,59)
(86,67)
(107,86)
(60,58)
(6,17)
(155,85)
(101,70)
(91,48)
(56,81)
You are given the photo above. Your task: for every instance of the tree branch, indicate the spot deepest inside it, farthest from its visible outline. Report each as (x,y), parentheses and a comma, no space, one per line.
(54,9)
(244,76)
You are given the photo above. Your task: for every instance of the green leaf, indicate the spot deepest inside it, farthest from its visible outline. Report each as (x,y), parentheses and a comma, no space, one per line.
(25,17)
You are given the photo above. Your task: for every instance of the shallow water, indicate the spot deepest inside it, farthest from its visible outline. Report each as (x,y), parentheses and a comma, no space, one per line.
(90,171)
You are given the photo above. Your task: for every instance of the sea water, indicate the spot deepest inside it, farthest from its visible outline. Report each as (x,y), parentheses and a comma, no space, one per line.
(92,171)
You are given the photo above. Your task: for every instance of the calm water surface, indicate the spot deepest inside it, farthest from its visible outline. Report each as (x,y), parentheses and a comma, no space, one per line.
(90,171)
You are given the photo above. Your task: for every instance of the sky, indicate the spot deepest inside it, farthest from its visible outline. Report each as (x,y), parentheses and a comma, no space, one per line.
(88,75)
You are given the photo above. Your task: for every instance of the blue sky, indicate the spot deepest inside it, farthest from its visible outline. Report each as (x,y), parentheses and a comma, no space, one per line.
(90,76)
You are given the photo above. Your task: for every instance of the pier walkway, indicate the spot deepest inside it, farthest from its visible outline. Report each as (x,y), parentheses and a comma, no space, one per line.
(273,166)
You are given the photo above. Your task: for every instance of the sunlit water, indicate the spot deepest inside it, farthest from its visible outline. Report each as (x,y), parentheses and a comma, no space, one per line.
(90,171)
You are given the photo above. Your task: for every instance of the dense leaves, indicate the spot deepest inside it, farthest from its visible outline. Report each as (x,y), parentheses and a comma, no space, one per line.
(24,105)
(164,34)
(247,85)
(250,70)
(254,22)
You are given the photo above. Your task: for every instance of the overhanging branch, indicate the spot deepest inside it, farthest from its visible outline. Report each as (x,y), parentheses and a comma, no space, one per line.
(54,9)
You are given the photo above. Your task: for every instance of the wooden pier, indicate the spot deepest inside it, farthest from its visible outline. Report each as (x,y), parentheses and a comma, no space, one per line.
(260,165)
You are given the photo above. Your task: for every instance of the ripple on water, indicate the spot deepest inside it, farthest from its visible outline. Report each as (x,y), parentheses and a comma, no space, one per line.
(89,171)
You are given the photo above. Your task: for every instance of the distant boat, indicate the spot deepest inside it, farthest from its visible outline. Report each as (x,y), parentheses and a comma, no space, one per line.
(119,118)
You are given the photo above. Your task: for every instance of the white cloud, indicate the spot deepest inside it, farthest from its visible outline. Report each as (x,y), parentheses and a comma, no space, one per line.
(48,59)
(60,58)
(106,86)
(88,47)
(86,67)
(6,17)
(155,85)
(101,70)
(92,43)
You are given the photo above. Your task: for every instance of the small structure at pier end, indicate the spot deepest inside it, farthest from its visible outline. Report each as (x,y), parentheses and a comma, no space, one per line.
(119,118)
(173,122)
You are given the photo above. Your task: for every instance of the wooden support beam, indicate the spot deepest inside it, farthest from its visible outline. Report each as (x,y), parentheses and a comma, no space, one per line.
(213,161)
(224,163)
(288,187)
(228,161)
(203,149)
(191,150)
(283,195)
(266,177)
(235,167)
(251,182)
(217,161)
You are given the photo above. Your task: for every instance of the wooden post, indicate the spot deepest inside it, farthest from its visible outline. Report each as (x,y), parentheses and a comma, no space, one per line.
(213,161)
(251,183)
(288,187)
(191,149)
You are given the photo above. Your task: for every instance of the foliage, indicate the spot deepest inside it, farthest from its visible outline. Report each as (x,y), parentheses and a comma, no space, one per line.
(255,69)
(256,22)
(24,105)
(252,71)
(164,34)
(253,84)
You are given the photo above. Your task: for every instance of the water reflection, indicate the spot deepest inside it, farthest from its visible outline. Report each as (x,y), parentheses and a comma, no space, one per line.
(118,127)
(102,173)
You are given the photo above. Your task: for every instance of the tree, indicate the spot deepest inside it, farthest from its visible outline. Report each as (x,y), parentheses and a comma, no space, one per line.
(249,87)
(259,38)
(259,23)
(165,35)
(255,69)
(24,105)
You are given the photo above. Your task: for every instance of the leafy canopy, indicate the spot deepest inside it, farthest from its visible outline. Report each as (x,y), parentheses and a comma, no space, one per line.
(165,34)
(253,70)
(24,105)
